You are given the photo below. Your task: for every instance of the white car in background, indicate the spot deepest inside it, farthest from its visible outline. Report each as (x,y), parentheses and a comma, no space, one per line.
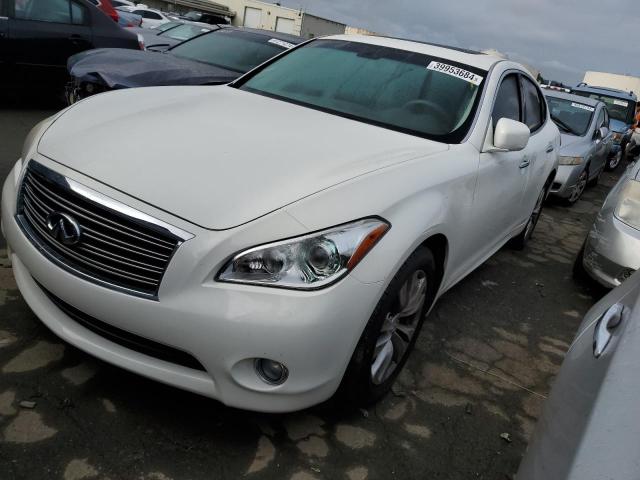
(151,18)
(354,180)
(123,3)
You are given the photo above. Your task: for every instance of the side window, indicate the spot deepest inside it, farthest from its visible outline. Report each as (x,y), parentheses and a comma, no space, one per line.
(53,11)
(507,103)
(600,121)
(534,105)
(79,14)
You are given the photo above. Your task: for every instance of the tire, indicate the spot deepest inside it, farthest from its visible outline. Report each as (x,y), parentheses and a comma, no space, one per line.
(520,241)
(580,187)
(359,386)
(579,272)
(613,162)
(596,179)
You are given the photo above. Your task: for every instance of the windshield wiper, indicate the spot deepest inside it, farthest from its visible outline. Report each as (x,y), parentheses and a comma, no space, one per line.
(563,125)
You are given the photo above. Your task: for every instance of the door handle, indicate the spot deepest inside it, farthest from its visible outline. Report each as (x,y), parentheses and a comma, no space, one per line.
(525,162)
(550,148)
(75,39)
(605,327)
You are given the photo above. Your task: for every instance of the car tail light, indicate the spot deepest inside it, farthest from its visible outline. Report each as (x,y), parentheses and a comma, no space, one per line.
(106,7)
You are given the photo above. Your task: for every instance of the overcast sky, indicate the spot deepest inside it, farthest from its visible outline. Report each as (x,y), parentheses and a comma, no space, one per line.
(561,38)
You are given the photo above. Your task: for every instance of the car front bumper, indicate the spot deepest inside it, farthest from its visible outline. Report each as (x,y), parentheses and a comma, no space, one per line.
(223,326)
(612,250)
(565,181)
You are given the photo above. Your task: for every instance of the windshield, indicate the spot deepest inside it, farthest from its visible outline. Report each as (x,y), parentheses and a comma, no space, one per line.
(230,49)
(566,113)
(395,89)
(185,32)
(166,26)
(619,109)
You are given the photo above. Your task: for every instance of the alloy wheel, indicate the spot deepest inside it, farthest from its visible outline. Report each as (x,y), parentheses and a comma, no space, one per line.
(535,215)
(615,161)
(580,186)
(399,327)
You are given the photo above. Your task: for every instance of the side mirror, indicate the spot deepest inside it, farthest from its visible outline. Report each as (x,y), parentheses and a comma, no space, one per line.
(601,134)
(510,136)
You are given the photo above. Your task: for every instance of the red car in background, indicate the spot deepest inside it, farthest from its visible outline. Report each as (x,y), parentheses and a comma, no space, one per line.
(106,7)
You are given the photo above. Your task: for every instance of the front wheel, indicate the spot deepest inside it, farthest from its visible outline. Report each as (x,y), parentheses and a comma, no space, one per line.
(391,332)
(613,162)
(579,187)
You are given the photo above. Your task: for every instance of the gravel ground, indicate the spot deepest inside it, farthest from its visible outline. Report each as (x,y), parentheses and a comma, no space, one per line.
(464,407)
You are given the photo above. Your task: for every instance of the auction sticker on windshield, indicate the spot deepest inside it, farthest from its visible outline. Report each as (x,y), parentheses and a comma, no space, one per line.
(282,43)
(621,103)
(583,107)
(457,72)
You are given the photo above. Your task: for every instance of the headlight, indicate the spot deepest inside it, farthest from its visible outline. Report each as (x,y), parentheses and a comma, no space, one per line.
(628,208)
(570,160)
(309,262)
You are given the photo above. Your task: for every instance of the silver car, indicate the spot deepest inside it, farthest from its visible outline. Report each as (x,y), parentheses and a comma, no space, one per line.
(590,425)
(611,252)
(586,140)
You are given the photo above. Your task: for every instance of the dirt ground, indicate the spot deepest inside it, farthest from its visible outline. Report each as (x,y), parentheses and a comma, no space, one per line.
(481,369)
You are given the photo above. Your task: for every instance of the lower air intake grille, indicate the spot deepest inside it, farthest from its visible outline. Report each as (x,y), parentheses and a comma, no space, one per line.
(124,338)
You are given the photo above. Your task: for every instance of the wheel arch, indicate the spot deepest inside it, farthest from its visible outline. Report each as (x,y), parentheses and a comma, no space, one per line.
(438,244)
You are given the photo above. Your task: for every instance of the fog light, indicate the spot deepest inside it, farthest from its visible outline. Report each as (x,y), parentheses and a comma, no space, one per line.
(270,371)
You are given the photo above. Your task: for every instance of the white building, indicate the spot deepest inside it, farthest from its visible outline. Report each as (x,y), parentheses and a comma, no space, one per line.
(257,14)
(613,80)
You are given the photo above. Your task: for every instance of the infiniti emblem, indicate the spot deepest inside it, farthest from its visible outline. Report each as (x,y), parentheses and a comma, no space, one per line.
(63,228)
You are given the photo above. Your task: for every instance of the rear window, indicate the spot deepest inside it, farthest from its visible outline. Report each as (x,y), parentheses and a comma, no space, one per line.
(233,50)
(185,32)
(620,109)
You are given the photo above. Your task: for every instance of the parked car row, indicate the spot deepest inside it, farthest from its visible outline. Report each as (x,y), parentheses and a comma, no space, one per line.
(210,57)
(38,36)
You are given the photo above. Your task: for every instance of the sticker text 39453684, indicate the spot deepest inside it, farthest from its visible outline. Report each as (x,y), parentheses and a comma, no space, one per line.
(457,72)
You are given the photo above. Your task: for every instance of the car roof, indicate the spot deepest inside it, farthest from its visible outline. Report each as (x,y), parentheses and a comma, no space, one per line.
(460,55)
(267,33)
(612,92)
(574,98)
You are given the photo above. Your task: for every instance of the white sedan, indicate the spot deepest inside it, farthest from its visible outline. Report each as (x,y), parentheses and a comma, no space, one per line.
(353,181)
(151,18)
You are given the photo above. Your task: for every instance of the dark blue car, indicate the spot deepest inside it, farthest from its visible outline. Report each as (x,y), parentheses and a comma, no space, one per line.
(622,107)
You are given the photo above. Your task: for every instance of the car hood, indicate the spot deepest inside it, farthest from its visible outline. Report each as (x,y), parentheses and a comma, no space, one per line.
(569,143)
(218,156)
(125,68)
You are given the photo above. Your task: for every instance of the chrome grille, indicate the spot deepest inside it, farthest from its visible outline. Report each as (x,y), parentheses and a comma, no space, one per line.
(126,252)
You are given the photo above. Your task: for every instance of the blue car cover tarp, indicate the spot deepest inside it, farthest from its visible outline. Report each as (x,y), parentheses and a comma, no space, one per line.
(121,68)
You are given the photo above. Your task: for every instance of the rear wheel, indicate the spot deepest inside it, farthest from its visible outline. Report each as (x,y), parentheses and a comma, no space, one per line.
(521,240)
(391,332)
